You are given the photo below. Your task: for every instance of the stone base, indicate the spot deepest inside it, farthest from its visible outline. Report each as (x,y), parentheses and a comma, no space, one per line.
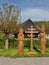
(31,53)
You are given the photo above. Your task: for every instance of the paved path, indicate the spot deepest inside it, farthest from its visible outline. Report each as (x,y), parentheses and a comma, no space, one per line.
(24,61)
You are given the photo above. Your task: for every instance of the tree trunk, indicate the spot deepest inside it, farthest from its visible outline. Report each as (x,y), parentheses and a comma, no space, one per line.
(6,42)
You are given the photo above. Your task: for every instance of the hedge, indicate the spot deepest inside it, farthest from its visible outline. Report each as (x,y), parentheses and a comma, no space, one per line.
(13,43)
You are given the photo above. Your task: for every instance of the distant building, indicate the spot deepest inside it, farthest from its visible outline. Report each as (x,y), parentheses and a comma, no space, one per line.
(27,24)
(47,34)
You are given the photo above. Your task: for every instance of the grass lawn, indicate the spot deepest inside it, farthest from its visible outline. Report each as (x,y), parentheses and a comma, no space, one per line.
(13,53)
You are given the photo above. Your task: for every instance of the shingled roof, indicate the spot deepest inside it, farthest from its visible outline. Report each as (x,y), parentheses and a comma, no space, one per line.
(27,24)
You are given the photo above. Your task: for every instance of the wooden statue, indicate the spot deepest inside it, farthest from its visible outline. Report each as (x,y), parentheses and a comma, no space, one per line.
(43,39)
(21,42)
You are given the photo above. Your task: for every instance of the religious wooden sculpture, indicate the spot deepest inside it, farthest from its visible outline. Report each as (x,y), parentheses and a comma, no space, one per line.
(21,42)
(43,39)
(31,40)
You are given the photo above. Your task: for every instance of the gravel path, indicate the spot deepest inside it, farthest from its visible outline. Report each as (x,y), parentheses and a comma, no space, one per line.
(24,61)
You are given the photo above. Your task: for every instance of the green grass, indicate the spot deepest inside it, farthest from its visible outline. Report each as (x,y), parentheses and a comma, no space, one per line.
(8,53)
(13,53)
(13,44)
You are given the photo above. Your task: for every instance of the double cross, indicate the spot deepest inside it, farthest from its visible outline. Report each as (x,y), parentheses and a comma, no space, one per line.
(30,30)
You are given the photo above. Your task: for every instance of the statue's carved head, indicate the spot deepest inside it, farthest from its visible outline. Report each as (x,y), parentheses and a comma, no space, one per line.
(21,30)
(42,28)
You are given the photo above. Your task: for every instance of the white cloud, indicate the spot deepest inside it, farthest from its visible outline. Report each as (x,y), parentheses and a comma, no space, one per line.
(34,12)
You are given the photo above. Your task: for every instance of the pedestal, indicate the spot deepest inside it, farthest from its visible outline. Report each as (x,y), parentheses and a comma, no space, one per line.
(31,53)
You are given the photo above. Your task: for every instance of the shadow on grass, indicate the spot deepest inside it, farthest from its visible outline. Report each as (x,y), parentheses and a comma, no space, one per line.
(36,49)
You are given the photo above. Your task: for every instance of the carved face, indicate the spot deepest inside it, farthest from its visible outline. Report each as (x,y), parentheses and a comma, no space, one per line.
(21,30)
(42,28)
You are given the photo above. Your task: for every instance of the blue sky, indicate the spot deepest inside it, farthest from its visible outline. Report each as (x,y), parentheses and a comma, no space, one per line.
(33,9)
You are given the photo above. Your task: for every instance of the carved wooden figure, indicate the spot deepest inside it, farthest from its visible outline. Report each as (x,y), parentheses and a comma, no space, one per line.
(43,39)
(21,42)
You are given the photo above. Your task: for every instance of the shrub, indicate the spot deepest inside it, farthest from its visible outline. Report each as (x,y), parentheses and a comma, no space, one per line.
(13,43)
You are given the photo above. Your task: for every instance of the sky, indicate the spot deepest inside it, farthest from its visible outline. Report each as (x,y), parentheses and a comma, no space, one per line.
(36,10)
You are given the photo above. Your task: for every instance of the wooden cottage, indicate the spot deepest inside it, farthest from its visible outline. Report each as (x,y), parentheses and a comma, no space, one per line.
(27,24)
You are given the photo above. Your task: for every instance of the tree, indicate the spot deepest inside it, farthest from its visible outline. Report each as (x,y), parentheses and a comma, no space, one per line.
(9,18)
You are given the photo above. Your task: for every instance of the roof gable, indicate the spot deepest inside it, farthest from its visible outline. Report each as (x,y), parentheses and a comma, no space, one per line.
(29,21)
(27,24)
